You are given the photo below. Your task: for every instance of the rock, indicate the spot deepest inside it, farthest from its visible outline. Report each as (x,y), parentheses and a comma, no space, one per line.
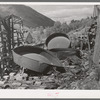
(52,86)
(93,85)
(67,78)
(31,78)
(33,87)
(38,83)
(75,71)
(6,77)
(86,63)
(63,86)
(74,85)
(72,66)
(44,77)
(22,87)
(92,73)
(25,75)
(35,78)
(65,63)
(2,83)
(51,78)
(42,87)
(12,78)
(16,84)
(18,77)
(11,74)
(29,82)
(85,55)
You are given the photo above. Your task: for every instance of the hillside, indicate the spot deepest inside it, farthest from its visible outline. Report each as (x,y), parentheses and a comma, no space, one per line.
(31,17)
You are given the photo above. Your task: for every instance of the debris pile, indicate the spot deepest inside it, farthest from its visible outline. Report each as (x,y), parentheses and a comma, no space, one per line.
(78,75)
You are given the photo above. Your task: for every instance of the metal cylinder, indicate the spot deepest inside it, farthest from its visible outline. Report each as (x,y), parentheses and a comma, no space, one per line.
(57,40)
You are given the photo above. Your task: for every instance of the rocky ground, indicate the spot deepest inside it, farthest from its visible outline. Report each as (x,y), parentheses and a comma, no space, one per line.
(78,76)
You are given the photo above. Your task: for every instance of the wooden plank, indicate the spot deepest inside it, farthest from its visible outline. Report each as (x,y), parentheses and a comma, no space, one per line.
(96,55)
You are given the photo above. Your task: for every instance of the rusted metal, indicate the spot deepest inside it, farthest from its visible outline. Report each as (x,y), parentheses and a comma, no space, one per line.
(35,63)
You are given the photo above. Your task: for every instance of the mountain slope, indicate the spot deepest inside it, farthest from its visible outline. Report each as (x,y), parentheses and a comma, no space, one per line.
(31,17)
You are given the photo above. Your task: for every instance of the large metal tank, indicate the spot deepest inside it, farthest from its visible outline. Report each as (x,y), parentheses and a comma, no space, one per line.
(57,40)
(35,58)
(59,44)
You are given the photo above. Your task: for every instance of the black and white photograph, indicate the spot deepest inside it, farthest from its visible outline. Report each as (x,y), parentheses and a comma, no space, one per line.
(49,47)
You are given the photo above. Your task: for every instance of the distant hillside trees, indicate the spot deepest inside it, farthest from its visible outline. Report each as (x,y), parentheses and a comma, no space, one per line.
(65,27)
(58,27)
(48,31)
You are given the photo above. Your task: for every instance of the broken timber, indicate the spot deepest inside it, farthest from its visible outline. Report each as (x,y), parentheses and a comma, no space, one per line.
(96,55)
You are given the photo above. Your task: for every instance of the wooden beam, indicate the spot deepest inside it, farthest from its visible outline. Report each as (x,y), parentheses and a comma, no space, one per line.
(96,55)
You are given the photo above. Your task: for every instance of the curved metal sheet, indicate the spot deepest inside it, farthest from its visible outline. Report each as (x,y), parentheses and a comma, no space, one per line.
(38,65)
(62,53)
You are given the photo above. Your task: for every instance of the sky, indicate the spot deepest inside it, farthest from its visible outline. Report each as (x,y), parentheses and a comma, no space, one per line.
(64,13)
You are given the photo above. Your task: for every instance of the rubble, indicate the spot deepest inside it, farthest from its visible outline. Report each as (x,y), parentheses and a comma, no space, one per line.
(16,84)
(22,87)
(77,76)
(18,77)
(74,78)
(6,77)
(2,83)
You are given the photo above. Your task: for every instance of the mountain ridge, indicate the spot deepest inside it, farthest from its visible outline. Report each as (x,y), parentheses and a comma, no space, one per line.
(31,18)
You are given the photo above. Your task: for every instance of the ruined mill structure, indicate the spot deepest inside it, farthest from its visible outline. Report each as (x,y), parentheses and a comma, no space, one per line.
(11,35)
